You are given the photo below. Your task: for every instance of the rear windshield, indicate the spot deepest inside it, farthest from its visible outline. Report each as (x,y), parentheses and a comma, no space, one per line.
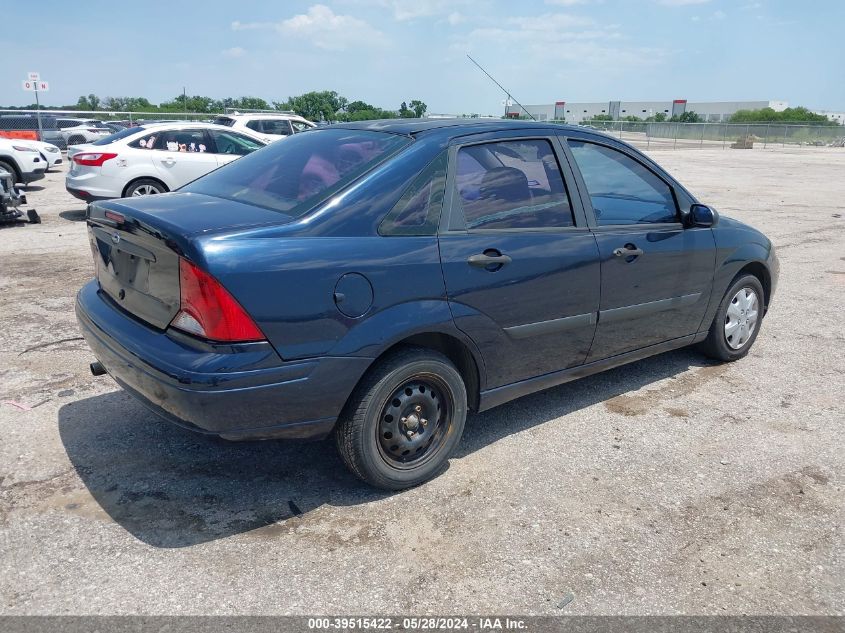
(293,174)
(111,138)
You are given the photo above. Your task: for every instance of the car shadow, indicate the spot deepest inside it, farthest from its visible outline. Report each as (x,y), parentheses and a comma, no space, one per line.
(174,488)
(74,215)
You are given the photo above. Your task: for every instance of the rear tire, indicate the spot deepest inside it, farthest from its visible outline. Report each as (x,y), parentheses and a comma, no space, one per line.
(144,187)
(737,321)
(404,420)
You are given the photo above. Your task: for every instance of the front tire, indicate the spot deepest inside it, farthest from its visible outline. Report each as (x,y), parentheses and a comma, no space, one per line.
(404,420)
(737,321)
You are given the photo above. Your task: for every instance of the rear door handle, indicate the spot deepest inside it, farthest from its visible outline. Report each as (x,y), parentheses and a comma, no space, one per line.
(629,250)
(483,260)
(169,161)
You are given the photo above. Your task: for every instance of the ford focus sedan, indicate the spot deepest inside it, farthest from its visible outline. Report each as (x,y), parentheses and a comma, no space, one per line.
(378,281)
(152,159)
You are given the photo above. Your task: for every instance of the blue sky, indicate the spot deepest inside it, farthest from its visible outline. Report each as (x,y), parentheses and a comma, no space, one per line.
(387,51)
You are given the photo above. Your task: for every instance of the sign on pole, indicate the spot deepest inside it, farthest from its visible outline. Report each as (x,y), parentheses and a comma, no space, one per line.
(43,86)
(28,85)
(33,76)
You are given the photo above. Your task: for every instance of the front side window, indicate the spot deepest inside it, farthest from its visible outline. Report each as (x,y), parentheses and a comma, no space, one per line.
(233,143)
(291,177)
(512,185)
(299,126)
(418,210)
(622,190)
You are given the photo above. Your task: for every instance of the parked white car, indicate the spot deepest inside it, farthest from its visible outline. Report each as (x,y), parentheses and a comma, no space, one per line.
(49,153)
(75,131)
(153,159)
(269,126)
(21,160)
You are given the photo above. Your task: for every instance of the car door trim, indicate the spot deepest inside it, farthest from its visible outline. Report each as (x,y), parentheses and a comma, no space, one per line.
(490,398)
(639,310)
(552,326)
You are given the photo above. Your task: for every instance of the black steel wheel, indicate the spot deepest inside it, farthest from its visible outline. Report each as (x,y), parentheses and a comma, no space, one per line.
(404,420)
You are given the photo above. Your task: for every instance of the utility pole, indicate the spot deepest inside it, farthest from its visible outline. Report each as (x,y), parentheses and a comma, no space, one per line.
(185,102)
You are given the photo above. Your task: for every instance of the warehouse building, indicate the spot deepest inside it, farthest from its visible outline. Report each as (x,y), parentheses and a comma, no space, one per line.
(711,111)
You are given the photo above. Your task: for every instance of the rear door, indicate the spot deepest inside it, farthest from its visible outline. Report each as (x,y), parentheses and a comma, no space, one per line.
(182,155)
(656,275)
(520,265)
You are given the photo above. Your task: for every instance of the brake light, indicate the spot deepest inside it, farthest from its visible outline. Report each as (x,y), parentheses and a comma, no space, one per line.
(208,310)
(93,159)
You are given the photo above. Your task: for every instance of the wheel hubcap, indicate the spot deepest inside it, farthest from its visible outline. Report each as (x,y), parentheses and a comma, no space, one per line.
(741,318)
(414,422)
(145,190)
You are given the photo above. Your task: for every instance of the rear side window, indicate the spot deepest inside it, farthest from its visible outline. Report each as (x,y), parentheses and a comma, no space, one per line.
(622,190)
(512,185)
(291,177)
(418,210)
(224,120)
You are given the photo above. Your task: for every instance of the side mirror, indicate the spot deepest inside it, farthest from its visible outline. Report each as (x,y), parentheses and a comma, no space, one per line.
(702,216)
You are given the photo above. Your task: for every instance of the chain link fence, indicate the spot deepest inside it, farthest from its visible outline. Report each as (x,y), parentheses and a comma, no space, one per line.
(666,135)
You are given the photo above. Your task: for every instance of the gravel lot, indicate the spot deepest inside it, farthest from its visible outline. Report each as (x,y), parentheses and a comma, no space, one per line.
(672,485)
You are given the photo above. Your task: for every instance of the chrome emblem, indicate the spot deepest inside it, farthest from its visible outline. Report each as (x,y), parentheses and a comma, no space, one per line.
(115,238)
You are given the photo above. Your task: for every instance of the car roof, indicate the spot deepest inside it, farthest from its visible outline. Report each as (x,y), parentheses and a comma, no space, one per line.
(263,115)
(454,127)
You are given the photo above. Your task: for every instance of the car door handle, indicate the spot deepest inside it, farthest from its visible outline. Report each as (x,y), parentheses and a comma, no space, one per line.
(485,259)
(629,250)
(168,161)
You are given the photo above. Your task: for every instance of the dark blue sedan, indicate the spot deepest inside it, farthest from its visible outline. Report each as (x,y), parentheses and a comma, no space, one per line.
(379,280)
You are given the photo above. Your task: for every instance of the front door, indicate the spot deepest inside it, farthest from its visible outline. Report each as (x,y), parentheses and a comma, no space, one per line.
(656,275)
(521,274)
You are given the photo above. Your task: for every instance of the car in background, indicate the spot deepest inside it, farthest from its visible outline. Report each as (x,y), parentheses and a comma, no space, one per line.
(153,159)
(49,153)
(25,127)
(269,126)
(378,280)
(21,160)
(76,131)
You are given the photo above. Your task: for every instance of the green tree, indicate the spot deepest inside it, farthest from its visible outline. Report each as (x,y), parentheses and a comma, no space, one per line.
(689,116)
(404,112)
(418,107)
(798,115)
(315,106)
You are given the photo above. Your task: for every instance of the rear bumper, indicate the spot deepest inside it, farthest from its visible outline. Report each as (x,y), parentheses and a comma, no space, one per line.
(85,196)
(239,392)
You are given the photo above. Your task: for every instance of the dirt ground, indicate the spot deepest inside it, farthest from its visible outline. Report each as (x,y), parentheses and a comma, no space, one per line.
(672,485)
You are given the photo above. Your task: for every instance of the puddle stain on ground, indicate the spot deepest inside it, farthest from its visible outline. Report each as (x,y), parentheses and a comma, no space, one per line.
(645,401)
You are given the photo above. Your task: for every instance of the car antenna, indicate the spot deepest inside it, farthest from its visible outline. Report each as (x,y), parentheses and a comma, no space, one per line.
(501,86)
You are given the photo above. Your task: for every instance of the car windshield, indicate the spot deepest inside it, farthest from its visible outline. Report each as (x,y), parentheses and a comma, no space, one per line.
(291,176)
(111,138)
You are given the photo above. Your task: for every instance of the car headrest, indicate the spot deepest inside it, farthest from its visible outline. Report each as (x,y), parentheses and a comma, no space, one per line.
(505,183)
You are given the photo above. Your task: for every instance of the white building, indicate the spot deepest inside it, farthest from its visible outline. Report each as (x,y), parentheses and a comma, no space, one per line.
(715,111)
(839,117)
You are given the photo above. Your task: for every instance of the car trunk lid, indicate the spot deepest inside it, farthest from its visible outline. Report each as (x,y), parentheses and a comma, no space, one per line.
(137,243)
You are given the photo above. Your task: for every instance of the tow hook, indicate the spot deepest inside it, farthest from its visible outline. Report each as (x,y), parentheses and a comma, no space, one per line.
(97,369)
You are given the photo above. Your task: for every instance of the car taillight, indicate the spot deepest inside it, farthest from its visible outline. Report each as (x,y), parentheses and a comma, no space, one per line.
(209,311)
(93,159)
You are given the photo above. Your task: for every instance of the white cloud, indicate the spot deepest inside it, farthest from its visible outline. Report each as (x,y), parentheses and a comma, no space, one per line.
(234,52)
(577,41)
(567,3)
(323,28)
(455,18)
